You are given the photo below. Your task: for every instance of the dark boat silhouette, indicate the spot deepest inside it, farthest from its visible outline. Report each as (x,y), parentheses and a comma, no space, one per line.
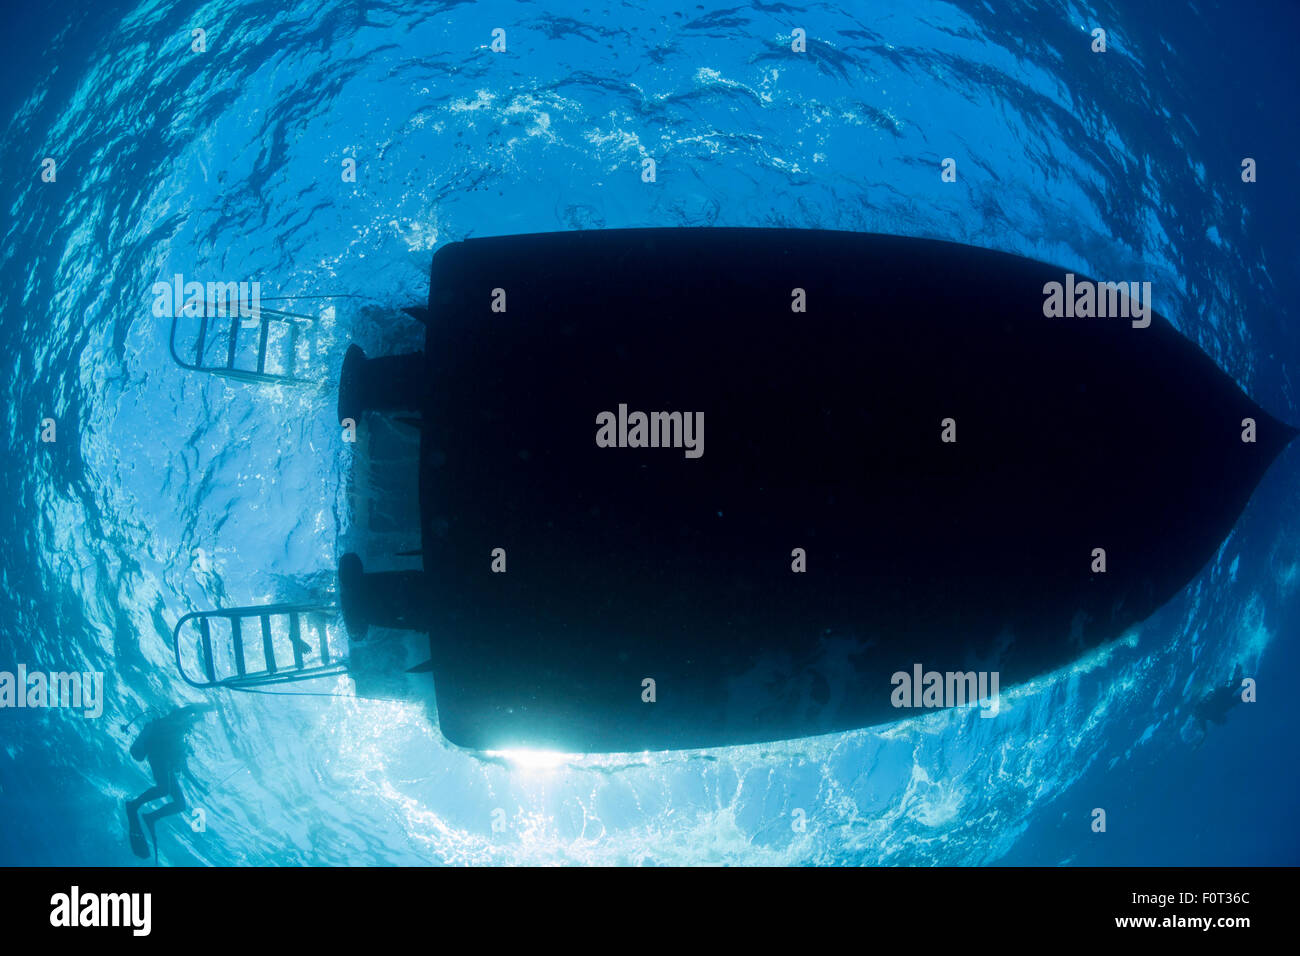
(825,531)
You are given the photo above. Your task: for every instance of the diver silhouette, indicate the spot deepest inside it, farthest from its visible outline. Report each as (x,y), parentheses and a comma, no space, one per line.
(1215,703)
(162,743)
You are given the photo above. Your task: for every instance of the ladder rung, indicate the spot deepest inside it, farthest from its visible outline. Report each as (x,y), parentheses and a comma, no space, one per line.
(234,341)
(239,648)
(295,640)
(268,646)
(209,667)
(261,345)
(203,338)
(324,643)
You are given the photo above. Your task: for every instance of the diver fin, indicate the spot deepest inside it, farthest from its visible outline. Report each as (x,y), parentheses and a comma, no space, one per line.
(139,846)
(425,668)
(419,313)
(153,834)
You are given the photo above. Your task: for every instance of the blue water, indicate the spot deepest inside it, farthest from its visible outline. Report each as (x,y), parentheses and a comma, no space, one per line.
(227,163)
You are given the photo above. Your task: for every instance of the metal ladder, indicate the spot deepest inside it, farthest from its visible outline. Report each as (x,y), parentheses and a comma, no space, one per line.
(225,658)
(219,334)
